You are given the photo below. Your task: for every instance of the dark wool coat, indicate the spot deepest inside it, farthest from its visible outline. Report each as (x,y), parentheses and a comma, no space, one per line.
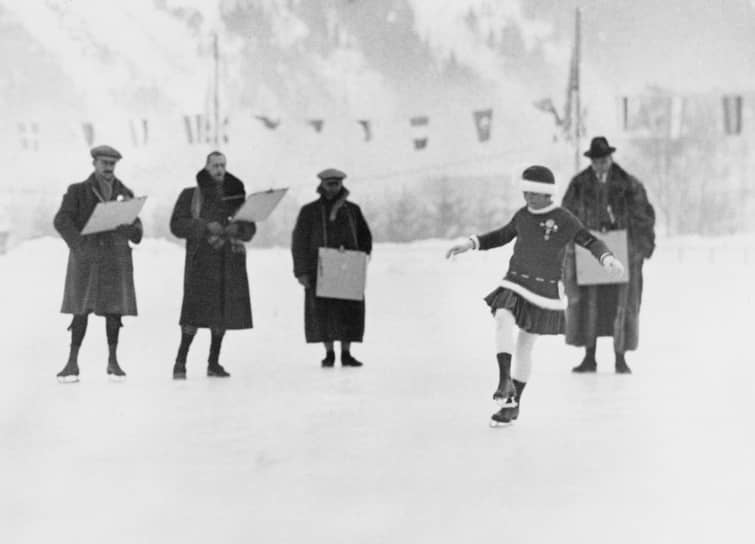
(609,310)
(100,274)
(216,286)
(327,319)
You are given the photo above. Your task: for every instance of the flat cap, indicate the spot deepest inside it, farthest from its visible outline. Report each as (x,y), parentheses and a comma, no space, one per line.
(331,173)
(105,151)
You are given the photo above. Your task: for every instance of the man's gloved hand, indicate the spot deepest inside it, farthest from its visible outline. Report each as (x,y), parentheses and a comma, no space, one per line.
(613,265)
(126,230)
(215,228)
(304,280)
(232,230)
(216,242)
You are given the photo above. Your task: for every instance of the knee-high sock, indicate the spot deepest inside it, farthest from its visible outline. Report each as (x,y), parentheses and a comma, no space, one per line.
(187,336)
(215,343)
(78,329)
(504,331)
(113,326)
(523,356)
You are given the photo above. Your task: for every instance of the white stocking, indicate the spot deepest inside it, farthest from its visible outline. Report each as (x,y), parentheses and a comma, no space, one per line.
(504,331)
(522,367)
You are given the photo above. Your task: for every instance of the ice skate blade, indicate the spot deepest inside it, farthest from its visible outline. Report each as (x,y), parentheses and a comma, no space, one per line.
(493,424)
(68,379)
(116,379)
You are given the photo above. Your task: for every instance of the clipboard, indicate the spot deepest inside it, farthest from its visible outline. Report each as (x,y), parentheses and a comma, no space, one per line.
(591,272)
(341,273)
(259,205)
(110,215)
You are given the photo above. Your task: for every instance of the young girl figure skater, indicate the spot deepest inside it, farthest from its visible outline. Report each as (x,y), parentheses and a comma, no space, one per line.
(529,294)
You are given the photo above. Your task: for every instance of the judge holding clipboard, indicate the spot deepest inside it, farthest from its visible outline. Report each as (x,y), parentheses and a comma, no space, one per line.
(100,276)
(332,241)
(216,285)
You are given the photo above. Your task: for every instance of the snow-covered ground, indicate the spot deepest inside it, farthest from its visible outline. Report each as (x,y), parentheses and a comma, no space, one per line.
(397,451)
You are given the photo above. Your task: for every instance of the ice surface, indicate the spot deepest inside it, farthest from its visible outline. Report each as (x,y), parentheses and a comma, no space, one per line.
(397,451)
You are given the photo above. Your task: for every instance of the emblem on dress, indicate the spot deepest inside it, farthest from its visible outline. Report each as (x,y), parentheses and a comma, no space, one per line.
(550,226)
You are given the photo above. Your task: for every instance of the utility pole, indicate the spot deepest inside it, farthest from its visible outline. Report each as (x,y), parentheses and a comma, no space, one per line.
(216,91)
(577,103)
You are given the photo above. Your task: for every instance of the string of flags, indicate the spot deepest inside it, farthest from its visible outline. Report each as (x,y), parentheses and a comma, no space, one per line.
(671,115)
(200,129)
(656,115)
(642,116)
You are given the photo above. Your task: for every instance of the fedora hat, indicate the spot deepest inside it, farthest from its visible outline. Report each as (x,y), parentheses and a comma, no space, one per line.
(599,147)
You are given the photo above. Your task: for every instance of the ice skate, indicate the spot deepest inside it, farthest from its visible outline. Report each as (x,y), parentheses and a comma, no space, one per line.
(115,372)
(588,364)
(621,365)
(69,374)
(347,359)
(502,417)
(217,371)
(179,371)
(329,360)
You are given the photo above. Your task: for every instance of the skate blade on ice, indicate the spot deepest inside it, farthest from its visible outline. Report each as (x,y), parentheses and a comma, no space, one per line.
(68,379)
(116,379)
(493,424)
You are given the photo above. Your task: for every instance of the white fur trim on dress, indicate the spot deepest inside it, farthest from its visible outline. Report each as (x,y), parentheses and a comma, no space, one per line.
(528,186)
(549,208)
(538,300)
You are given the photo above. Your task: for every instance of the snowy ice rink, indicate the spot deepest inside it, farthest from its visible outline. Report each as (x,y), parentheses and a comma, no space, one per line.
(397,451)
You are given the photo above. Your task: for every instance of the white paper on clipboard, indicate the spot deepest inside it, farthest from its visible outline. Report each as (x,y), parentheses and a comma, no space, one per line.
(258,206)
(113,213)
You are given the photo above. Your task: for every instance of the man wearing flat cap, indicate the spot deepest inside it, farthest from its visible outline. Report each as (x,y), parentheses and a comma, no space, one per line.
(330,221)
(100,276)
(605,198)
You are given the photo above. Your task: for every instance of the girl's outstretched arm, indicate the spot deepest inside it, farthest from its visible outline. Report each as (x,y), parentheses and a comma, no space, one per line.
(461,247)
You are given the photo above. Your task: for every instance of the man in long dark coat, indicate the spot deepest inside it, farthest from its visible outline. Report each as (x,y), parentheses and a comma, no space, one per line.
(605,197)
(335,222)
(216,286)
(100,274)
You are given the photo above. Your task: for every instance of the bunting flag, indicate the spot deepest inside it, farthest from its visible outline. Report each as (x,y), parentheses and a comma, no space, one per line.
(196,128)
(139,130)
(223,131)
(483,122)
(188,126)
(419,126)
(200,129)
(29,135)
(205,130)
(546,105)
(269,122)
(316,124)
(677,110)
(88,129)
(732,114)
(366,129)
